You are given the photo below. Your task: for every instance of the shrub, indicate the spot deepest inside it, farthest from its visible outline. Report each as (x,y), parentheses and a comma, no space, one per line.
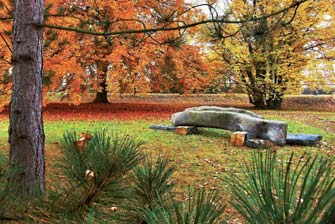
(152,186)
(270,190)
(95,176)
(105,178)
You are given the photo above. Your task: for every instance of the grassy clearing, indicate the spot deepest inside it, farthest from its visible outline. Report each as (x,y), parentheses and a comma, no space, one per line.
(202,160)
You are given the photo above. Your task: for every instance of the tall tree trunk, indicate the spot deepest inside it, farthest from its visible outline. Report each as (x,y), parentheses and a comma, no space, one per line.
(26,135)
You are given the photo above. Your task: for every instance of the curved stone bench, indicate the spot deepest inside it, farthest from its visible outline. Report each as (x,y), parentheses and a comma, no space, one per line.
(224,109)
(234,120)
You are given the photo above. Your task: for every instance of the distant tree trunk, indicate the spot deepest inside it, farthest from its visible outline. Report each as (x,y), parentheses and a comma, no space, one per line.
(26,135)
(101,95)
(264,94)
(261,101)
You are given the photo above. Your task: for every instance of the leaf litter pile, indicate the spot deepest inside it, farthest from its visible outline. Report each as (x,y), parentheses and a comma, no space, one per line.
(120,111)
(156,110)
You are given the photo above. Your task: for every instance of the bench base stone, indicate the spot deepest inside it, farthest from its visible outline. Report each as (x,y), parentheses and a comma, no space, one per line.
(162,127)
(239,138)
(186,130)
(303,139)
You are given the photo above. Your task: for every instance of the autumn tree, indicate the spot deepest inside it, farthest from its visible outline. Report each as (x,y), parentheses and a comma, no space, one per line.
(268,56)
(179,69)
(124,63)
(146,61)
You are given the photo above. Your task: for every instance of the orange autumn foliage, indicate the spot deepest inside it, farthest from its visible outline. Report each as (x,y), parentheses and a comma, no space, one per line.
(76,63)
(5,51)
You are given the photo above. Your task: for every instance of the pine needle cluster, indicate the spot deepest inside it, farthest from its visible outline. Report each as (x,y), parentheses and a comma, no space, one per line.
(293,190)
(106,179)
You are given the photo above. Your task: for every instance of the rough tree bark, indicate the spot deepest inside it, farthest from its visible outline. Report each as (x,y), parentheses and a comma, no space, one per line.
(26,135)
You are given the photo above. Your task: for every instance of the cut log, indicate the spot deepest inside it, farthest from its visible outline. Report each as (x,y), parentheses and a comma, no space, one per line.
(186,130)
(240,138)
(183,130)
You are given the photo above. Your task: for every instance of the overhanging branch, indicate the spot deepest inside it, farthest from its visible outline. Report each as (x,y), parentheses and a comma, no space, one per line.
(184,26)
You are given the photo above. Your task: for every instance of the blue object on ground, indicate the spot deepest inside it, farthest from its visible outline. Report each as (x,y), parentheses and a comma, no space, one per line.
(163,127)
(303,139)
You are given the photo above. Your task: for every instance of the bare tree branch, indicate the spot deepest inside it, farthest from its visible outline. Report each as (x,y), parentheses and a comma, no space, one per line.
(293,16)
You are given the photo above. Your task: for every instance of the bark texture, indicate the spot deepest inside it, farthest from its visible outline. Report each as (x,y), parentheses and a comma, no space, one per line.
(26,135)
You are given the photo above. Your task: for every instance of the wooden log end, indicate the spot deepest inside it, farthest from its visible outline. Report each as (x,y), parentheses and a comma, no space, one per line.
(186,130)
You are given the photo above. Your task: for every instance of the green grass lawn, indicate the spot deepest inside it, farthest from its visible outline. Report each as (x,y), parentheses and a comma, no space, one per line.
(201,159)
